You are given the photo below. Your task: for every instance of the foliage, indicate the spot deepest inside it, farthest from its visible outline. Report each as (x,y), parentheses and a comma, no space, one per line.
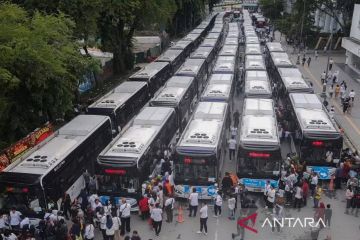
(271,8)
(40,68)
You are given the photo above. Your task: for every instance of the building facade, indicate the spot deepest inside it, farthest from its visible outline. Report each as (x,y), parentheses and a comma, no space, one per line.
(352,43)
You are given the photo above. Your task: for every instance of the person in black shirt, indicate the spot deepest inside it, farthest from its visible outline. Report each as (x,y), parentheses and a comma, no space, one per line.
(227,184)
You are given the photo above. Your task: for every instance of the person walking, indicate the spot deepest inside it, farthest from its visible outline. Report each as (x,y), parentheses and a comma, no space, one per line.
(331,62)
(308,61)
(203,218)
(320,214)
(67,206)
(218,204)
(328,215)
(337,91)
(89,233)
(110,228)
(345,106)
(305,191)
(317,197)
(231,206)
(352,95)
(316,54)
(322,77)
(303,60)
(232,147)
(278,214)
(298,196)
(169,208)
(331,91)
(193,202)
(332,112)
(15,218)
(236,117)
(349,194)
(156,216)
(144,207)
(267,188)
(342,91)
(124,214)
(271,197)
(313,183)
(226,184)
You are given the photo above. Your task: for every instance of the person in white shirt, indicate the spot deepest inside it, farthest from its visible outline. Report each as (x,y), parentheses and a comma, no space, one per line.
(125,210)
(313,183)
(194,202)
(107,208)
(9,235)
(232,147)
(271,197)
(15,218)
(266,189)
(203,218)
(349,194)
(218,204)
(352,95)
(156,216)
(89,231)
(103,226)
(169,207)
(231,205)
(160,196)
(24,223)
(233,131)
(298,196)
(96,204)
(4,222)
(110,228)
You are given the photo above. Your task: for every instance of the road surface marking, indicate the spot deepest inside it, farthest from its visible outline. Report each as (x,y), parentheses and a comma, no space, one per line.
(336,105)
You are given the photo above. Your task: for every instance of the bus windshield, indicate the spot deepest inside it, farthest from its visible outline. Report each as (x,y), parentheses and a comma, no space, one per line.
(194,170)
(314,151)
(259,164)
(117,183)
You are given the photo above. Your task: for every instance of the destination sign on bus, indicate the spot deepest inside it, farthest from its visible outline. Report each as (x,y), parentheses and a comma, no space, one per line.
(188,160)
(115,171)
(318,143)
(259,155)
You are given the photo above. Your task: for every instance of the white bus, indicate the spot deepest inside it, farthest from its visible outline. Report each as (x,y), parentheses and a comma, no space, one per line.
(200,151)
(257,85)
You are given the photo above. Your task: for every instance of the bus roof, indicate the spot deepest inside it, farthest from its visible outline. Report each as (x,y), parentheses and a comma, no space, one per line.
(281,59)
(233,34)
(216,92)
(216,29)
(119,95)
(252,40)
(305,100)
(191,37)
(202,53)
(224,67)
(199,30)
(212,35)
(169,55)
(274,47)
(258,88)
(209,43)
(135,140)
(259,130)
(258,106)
(253,49)
(289,72)
(231,41)
(49,154)
(314,120)
(296,84)
(210,110)
(218,78)
(172,93)
(191,67)
(254,62)
(256,75)
(228,50)
(182,44)
(226,59)
(149,70)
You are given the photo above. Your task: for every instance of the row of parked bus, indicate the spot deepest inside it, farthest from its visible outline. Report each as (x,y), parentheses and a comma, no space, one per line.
(259,152)
(316,135)
(140,128)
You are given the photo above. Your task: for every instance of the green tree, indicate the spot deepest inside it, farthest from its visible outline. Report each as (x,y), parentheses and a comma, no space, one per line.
(271,8)
(40,68)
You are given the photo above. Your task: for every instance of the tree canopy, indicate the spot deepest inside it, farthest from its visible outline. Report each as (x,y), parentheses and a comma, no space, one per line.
(40,68)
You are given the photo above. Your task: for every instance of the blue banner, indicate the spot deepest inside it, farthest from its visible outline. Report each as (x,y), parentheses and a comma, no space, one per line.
(324,173)
(258,183)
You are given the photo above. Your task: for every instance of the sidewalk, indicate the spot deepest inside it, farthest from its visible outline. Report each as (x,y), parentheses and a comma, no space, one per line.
(350,123)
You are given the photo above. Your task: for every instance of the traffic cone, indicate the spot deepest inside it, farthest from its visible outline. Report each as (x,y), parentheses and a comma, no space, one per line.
(180,217)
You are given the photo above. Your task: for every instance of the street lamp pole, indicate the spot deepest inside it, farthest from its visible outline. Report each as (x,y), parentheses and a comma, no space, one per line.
(302,23)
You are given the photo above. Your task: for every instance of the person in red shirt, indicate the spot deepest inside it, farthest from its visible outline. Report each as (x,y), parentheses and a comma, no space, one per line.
(305,189)
(144,207)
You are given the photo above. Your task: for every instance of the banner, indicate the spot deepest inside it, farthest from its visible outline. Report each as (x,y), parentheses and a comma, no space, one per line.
(4,161)
(41,134)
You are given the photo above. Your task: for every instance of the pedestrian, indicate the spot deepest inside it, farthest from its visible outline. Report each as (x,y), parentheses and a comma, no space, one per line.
(67,206)
(169,208)
(15,218)
(331,187)
(331,91)
(103,225)
(61,231)
(231,206)
(75,230)
(316,54)
(352,95)
(226,184)
(160,196)
(298,59)
(320,214)
(313,183)
(303,60)
(349,194)
(156,216)
(332,112)
(322,77)
(271,197)
(124,214)
(356,203)
(342,91)
(232,147)
(305,191)
(236,117)
(218,204)
(267,188)
(193,202)
(337,90)
(278,214)
(298,196)
(317,196)
(135,235)
(233,131)
(144,207)
(110,228)
(328,215)
(203,218)
(89,233)
(345,106)
(308,61)
(331,62)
